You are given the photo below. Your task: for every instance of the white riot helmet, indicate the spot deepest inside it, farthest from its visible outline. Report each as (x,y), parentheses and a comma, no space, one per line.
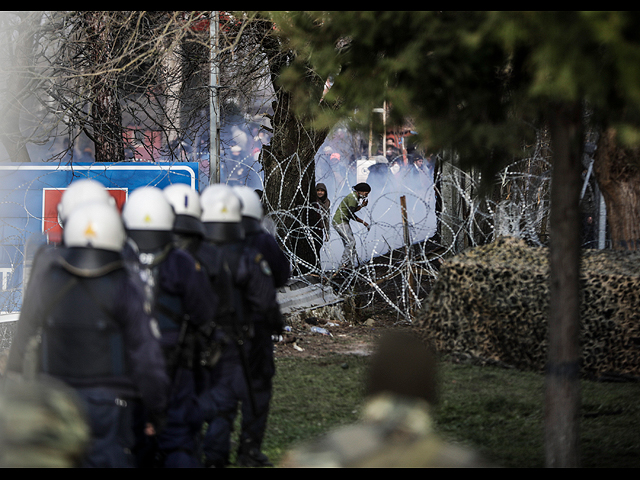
(80,192)
(95,225)
(252,210)
(251,204)
(186,206)
(148,218)
(221,214)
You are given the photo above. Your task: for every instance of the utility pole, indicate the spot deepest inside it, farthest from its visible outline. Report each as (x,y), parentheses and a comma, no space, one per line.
(382,111)
(214,106)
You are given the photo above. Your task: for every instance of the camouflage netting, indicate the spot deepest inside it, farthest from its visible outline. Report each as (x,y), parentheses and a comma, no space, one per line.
(490,303)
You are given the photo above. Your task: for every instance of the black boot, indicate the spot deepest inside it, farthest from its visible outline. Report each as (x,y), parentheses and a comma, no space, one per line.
(249,455)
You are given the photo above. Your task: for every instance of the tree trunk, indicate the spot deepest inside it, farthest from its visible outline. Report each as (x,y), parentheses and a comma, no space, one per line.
(562,387)
(106,111)
(289,166)
(11,134)
(617,171)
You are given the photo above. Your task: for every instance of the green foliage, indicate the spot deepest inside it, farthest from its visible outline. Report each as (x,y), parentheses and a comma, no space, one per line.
(425,65)
(498,411)
(478,82)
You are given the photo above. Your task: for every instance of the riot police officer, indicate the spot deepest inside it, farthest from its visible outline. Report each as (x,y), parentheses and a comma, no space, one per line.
(189,233)
(79,192)
(187,226)
(94,332)
(181,299)
(261,355)
(258,238)
(249,290)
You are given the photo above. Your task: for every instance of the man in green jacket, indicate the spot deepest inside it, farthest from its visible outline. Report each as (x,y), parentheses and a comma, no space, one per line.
(346,212)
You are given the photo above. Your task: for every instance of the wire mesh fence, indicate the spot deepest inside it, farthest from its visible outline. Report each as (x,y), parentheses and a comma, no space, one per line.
(417,220)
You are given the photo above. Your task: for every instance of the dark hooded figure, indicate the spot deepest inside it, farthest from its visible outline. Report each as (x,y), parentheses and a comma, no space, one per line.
(324,206)
(320,218)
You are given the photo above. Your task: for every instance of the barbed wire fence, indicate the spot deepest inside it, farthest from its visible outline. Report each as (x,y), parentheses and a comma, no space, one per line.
(414,228)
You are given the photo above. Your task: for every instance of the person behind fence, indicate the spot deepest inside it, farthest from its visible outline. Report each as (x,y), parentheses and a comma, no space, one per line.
(320,218)
(418,176)
(261,360)
(248,295)
(83,322)
(180,298)
(346,212)
(396,428)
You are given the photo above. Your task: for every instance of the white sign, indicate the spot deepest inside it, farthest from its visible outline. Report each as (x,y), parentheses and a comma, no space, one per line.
(362,169)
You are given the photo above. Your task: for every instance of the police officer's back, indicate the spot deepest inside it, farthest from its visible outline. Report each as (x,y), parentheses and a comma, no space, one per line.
(249,288)
(175,282)
(180,297)
(250,270)
(261,355)
(95,334)
(189,235)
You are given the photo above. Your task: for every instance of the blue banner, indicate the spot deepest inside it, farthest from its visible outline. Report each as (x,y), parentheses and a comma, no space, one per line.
(29,193)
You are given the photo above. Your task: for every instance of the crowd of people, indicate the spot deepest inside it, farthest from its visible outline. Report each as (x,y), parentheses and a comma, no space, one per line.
(412,170)
(153,324)
(146,331)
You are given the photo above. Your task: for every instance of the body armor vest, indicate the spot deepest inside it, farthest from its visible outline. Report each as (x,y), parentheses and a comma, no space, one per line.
(231,315)
(80,337)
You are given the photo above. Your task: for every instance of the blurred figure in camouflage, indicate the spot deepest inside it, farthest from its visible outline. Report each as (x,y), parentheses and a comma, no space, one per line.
(42,425)
(4,356)
(396,429)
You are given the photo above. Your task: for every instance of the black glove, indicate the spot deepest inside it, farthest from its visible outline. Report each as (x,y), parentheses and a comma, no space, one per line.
(275,320)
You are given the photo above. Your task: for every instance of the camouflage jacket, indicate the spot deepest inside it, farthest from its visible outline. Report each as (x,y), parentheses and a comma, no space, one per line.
(394,432)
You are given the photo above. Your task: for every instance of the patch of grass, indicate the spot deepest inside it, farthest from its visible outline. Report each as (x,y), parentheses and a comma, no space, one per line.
(498,411)
(311,396)
(610,433)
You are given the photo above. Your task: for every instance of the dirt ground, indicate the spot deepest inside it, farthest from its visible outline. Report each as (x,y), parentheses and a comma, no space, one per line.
(357,335)
(347,337)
